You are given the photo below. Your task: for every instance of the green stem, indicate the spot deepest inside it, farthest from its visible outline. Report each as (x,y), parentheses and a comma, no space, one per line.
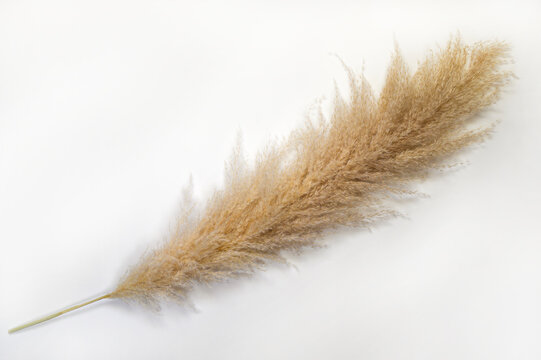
(52,316)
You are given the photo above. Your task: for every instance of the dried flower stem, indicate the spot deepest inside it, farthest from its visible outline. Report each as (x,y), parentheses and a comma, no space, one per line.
(56,314)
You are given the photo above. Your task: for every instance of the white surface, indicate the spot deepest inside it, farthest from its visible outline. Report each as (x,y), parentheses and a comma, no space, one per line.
(107,107)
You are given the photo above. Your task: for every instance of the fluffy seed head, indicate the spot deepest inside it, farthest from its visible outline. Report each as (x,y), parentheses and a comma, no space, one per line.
(331,172)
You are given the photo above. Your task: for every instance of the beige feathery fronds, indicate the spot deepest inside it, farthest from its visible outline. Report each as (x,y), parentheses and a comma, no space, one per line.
(330,173)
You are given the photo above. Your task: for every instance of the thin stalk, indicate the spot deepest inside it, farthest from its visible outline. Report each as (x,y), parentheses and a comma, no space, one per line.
(52,316)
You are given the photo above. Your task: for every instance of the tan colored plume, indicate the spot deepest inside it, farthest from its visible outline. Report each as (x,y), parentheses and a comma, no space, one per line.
(329,173)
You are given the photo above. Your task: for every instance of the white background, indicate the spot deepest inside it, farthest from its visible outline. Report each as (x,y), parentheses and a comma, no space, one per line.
(107,107)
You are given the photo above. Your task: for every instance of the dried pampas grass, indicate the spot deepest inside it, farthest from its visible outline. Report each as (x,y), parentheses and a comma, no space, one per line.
(329,173)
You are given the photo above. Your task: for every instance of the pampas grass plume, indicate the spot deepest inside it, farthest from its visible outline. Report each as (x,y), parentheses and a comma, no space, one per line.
(329,173)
